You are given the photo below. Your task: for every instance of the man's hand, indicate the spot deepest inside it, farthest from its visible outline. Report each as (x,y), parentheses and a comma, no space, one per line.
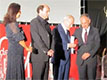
(85,56)
(29,49)
(50,52)
(71,45)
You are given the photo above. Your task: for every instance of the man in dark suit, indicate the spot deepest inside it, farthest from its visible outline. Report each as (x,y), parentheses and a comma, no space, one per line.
(89,42)
(61,59)
(41,42)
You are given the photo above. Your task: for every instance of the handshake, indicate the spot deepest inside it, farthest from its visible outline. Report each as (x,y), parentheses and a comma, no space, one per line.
(29,49)
(71,45)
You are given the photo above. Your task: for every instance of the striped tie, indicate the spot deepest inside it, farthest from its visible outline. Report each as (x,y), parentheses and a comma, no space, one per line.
(85,36)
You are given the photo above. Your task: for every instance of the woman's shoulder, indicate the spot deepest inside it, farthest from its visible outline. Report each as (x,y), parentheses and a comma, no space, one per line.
(13,26)
(13,23)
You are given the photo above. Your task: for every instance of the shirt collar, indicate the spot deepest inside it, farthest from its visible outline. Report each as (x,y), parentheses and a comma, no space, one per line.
(87,29)
(64,27)
(42,20)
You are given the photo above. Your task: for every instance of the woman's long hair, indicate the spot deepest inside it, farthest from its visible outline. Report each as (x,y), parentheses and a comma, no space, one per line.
(12,11)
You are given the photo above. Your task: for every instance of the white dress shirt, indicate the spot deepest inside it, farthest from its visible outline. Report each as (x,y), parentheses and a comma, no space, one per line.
(83,33)
(65,30)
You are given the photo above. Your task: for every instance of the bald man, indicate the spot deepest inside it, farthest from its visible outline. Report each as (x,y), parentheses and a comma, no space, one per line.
(41,42)
(61,59)
(89,42)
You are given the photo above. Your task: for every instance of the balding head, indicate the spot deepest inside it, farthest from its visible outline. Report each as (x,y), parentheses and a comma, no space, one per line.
(68,21)
(43,11)
(40,7)
(68,17)
(85,21)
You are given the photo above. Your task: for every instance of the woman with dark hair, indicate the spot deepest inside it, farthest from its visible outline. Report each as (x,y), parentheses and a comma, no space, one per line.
(15,64)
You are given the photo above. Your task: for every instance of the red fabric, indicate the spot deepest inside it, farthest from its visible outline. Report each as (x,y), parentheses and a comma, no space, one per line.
(73,66)
(3,52)
(52,27)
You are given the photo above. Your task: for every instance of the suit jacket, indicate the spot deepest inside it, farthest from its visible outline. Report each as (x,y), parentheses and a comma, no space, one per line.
(92,45)
(41,39)
(60,45)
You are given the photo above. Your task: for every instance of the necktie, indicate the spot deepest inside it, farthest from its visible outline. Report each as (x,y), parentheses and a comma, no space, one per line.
(47,27)
(85,36)
(68,35)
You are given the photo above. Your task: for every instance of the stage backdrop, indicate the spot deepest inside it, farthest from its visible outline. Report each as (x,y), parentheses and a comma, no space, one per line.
(59,8)
(4,50)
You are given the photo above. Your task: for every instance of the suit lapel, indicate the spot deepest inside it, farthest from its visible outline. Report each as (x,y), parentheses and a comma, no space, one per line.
(62,33)
(43,26)
(81,40)
(90,34)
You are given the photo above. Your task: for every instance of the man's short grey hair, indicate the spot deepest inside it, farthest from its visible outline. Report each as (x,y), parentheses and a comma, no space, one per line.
(87,15)
(68,17)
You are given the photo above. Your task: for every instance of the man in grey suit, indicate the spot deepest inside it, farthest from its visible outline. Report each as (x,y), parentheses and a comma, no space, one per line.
(41,42)
(89,42)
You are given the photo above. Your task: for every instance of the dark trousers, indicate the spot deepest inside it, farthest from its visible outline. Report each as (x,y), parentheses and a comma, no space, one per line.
(87,71)
(63,73)
(40,71)
(55,71)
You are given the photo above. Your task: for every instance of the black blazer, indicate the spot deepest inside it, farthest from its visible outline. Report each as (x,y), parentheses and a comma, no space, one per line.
(41,39)
(92,45)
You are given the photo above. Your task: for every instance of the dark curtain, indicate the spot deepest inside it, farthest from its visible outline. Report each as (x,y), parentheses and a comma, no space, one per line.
(99,19)
(95,9)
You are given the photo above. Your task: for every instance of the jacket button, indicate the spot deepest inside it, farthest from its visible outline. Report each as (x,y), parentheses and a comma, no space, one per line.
(48,35)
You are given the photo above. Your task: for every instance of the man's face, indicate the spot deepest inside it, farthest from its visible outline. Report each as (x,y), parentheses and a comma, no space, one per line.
(45,12)
(85,22)
(69,23)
